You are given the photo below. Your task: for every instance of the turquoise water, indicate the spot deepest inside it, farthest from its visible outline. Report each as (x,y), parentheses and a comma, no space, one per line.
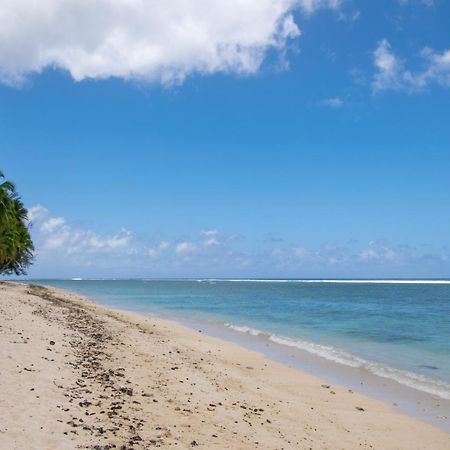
(396,330)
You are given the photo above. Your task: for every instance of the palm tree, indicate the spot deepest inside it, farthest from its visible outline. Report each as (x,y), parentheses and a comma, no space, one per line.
(16,246)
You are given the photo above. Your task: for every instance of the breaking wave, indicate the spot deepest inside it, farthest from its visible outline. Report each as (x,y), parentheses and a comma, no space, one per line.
(407,378)
(356,281)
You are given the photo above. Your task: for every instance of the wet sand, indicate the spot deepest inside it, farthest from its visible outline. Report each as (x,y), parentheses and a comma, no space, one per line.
(77,375)
(418,404)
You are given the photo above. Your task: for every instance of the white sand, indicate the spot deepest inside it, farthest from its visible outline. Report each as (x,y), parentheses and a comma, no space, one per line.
(77,375)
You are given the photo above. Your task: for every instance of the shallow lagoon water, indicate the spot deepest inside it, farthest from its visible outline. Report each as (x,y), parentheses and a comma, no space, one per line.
(394,329)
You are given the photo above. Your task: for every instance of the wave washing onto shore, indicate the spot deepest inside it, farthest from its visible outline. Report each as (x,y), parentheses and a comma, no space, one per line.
(398,329)
(407,378)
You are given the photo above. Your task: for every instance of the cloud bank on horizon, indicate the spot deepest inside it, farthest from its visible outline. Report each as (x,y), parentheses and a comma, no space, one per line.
(153,41)
(78,251)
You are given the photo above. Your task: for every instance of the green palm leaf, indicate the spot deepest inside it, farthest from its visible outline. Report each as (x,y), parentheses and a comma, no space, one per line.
(16,245)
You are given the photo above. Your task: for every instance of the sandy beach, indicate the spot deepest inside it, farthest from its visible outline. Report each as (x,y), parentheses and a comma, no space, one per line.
(77,375)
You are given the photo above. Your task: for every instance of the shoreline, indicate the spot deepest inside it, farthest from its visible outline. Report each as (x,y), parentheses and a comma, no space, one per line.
(406,399)
(209,393)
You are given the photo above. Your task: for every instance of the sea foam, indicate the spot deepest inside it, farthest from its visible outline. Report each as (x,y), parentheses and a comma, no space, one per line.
(355,281)
(336,355)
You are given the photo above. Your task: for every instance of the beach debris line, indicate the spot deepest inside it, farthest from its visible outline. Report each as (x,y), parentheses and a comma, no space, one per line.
(118,381)
(110,416)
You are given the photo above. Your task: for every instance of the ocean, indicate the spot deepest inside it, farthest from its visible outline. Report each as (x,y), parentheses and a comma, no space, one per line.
(398,330)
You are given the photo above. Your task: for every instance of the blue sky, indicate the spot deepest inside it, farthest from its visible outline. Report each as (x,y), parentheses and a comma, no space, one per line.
(271,139)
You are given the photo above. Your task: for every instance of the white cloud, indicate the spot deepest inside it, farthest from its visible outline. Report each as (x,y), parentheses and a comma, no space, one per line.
(158,248)
(354,257)
(438,68)
(301,252)
(392,74)
(334,102)
(379,255)
(52,224)
(350,17)
(211,238)
(389,68)
(153,40)
(185,247)
(55,234)
(209,233)
(163,245)
(119,240)
(36,213)
(310,6)
(65,249)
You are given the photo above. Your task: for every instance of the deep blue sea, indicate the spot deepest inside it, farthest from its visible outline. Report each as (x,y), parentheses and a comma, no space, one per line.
(396,329)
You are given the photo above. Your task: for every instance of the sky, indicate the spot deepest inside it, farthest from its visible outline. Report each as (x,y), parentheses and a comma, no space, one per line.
(247,138)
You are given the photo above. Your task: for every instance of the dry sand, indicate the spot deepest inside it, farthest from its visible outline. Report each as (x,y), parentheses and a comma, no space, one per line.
(77,375)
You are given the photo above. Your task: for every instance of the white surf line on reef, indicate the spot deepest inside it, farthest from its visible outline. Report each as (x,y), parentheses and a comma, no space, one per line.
(342,281)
